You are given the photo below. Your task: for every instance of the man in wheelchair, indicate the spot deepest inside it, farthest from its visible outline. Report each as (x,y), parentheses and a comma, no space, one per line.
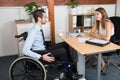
(35,45)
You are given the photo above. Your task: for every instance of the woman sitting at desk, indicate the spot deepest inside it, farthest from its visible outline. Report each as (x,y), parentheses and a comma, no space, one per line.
(103,27)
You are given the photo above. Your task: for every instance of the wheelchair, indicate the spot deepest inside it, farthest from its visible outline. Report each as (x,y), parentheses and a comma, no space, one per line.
(27,68)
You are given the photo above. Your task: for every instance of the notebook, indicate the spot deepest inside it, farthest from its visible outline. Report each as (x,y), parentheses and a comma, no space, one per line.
(97,42)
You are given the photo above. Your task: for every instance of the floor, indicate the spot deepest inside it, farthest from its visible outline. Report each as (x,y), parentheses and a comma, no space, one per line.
(112,72)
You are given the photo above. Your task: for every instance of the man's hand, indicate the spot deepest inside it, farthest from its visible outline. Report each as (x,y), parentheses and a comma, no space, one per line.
(47,57)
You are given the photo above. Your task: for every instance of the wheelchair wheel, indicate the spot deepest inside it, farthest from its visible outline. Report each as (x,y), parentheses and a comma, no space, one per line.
(26,68)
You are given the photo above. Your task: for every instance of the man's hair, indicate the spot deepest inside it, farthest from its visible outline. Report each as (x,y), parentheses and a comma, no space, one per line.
(38,13)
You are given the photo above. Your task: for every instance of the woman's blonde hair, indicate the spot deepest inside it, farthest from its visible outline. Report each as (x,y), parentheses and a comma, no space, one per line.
(104,17)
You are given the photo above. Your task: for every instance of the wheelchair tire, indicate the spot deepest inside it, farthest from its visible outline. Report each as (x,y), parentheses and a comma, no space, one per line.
(20,69)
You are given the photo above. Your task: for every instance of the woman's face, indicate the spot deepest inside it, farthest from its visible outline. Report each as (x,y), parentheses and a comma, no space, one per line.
(98,16)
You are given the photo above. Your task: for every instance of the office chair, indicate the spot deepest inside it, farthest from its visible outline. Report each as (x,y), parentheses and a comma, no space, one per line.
(115,39)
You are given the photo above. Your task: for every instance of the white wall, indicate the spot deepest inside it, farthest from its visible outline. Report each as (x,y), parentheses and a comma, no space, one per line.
(7,30)
(8,15)
(118,8)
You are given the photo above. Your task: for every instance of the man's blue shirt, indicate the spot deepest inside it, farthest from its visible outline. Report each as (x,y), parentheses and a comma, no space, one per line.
(34,41)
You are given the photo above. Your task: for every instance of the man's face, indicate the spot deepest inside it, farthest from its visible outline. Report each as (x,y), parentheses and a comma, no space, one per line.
(44,19)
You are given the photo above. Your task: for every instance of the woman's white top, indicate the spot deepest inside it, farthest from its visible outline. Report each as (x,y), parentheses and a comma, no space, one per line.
(103,31)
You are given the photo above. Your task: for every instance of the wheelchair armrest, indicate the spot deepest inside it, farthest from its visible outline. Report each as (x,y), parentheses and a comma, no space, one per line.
(24,35)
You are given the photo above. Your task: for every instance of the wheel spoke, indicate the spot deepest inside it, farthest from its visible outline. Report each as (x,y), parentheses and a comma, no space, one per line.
(18,75)
(19,69)
(27,69)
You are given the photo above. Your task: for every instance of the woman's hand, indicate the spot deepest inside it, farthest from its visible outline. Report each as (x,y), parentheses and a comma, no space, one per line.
(94,35)
(97,36)
(102,37)
(48,58)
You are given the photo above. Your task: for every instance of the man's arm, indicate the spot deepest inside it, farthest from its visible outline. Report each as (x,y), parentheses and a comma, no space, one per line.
(28,45)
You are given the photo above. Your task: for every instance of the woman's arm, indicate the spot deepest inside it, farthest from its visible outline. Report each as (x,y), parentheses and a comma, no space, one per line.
(107,36)
(108,26)
(92,31)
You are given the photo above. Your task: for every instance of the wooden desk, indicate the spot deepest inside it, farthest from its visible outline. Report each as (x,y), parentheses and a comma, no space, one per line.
(87,49)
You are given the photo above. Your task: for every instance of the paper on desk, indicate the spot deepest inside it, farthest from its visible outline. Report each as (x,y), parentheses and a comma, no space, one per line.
(82,39)
(76,34)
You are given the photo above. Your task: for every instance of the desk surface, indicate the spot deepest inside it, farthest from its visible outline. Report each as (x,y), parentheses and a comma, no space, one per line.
(84,48)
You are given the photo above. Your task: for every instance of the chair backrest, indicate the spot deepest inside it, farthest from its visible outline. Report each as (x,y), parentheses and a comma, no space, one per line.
(116,22)
(116,36)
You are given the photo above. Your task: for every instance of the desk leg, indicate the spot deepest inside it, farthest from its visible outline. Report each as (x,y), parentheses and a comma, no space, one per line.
(81,65)
(99,66)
